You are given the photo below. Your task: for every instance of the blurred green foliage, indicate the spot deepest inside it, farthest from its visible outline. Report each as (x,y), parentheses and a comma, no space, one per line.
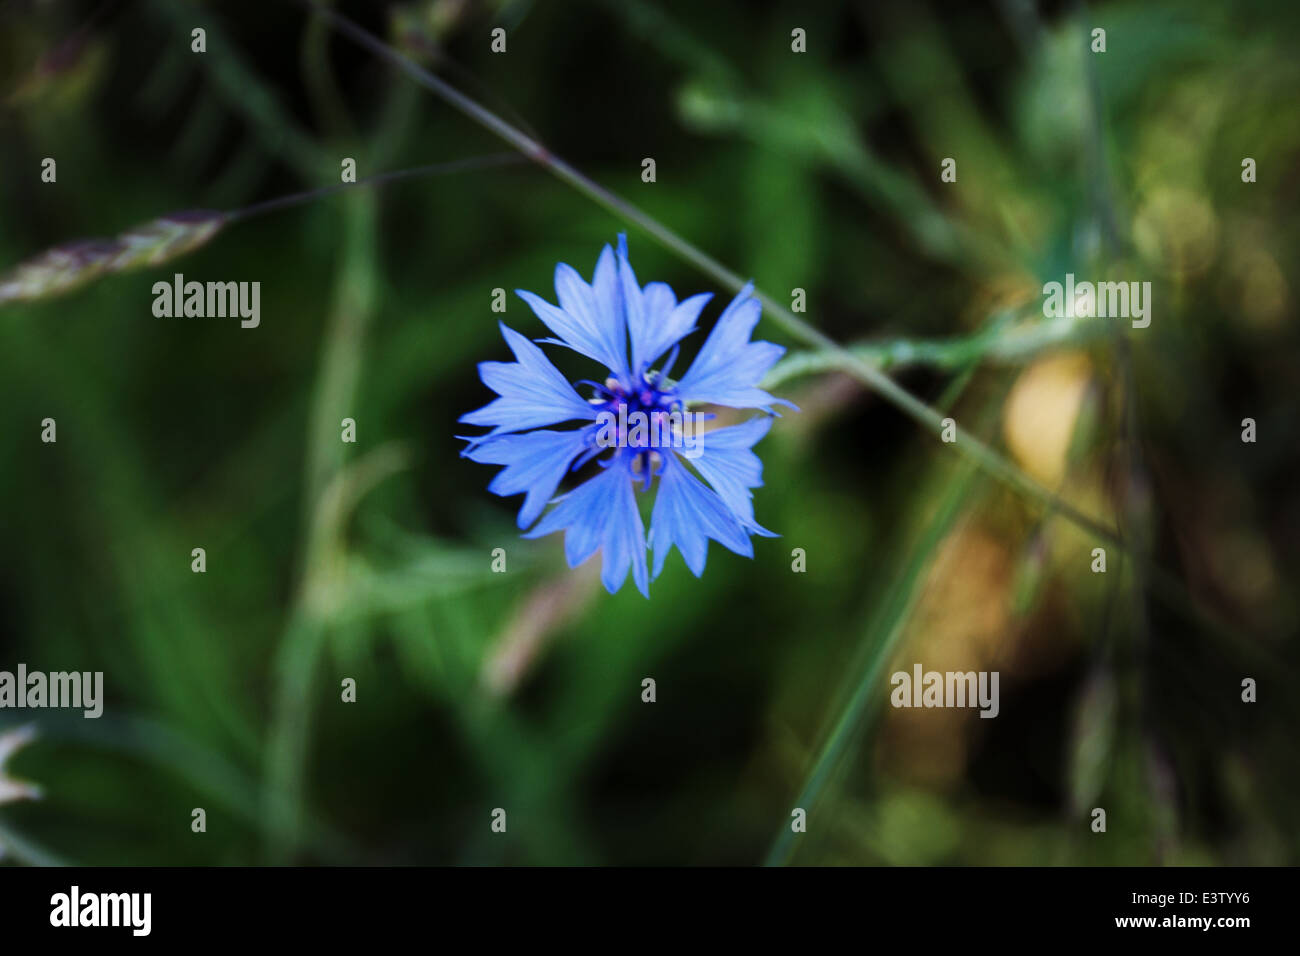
(522,690)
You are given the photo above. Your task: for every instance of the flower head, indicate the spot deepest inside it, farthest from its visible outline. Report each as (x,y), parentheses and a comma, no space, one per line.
(636,423)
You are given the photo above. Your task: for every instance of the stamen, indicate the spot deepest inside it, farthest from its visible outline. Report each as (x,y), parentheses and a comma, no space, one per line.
(600,389)
(587,455)
(668,366)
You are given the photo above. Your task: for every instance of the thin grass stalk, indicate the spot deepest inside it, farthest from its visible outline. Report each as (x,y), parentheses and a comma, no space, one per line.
(965,443)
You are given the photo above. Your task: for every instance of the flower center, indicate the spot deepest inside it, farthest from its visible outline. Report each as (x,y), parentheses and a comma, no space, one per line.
(637,422)
(642,418)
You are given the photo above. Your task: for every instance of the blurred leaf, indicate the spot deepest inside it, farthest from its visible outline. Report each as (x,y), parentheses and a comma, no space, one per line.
(1092,740)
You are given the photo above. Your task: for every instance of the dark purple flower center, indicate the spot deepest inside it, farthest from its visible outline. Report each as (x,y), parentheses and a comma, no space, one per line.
(636,409)
(636,422)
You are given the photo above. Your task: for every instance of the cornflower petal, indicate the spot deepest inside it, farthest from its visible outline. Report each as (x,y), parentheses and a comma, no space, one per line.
(535,463)
(730,466)
(533,391)
(602,513)
(687,514)
(729,366)
(589,319)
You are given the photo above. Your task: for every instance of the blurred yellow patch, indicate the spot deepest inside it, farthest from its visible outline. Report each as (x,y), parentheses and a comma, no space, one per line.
(961,623)
(1041,411)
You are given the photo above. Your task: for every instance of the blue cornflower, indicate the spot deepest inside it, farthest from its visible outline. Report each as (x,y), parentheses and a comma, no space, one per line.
(638,414)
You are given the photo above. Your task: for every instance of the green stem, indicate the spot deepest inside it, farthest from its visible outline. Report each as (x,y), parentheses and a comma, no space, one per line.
(379,179)
(25,850)
(883,636)
(886,625)
(945,354)
(301,647)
